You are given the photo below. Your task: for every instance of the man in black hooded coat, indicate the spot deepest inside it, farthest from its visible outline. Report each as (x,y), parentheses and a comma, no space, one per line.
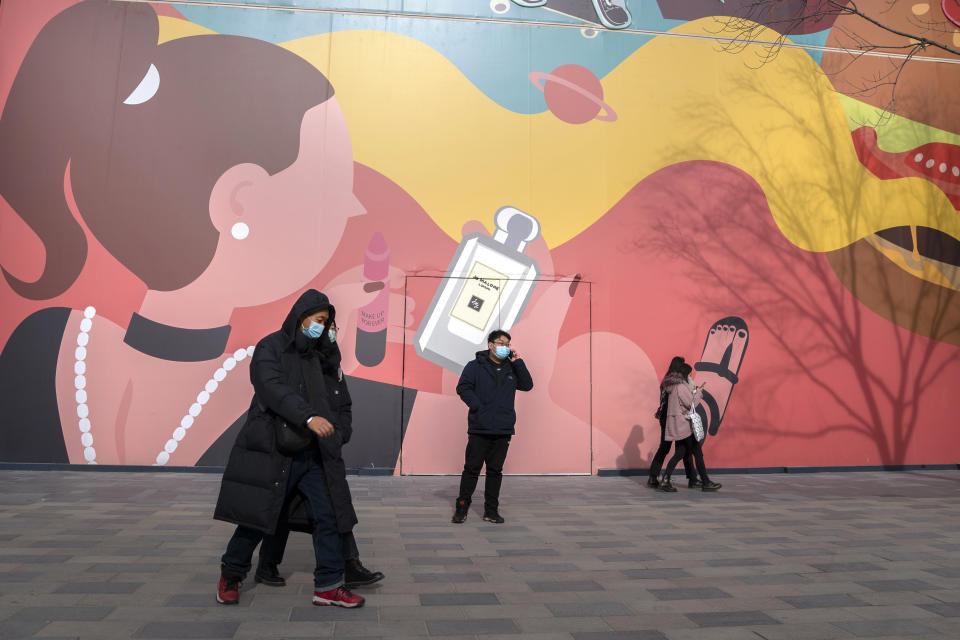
(259,479)
(295,515)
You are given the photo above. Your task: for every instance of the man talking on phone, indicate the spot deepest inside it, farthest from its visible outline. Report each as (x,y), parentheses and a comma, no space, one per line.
(488,386)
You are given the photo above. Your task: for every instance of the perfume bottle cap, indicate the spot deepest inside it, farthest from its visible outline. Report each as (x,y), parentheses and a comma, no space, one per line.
(515,228)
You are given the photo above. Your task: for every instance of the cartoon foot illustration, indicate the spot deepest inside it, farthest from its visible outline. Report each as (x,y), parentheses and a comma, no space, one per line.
(719,366)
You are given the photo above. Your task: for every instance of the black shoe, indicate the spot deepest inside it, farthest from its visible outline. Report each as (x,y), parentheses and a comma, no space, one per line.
(267,574)
(652,482)
(695,484)
(711,486)
(463,507)
(356,575)
(493,516)
(666,486)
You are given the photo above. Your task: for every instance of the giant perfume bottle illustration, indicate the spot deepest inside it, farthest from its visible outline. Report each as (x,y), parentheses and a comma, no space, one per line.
(486,287)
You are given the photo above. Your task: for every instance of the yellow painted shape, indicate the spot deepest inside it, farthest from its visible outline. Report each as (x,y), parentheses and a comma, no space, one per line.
(414,117)
(173,28)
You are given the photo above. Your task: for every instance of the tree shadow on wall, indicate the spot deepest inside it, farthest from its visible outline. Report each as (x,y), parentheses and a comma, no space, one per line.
(854,336)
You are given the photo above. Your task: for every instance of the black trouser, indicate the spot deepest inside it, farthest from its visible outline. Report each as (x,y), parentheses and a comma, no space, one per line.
(489,450)
(685,446)
(657,463)
(306,476)
(273,547)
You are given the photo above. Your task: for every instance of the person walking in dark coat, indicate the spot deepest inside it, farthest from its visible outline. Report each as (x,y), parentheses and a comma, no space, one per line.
(289,393)
(488,385)
(295,517)
(657,463)
(683,397)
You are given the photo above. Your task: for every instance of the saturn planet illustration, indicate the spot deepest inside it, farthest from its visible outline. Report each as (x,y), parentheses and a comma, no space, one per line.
(574,94)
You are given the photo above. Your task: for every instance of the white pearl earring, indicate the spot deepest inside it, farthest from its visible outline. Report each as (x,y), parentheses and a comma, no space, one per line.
(240,230)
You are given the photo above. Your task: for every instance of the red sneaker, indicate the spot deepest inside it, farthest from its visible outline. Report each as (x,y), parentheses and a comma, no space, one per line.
(338,597)
(228,590)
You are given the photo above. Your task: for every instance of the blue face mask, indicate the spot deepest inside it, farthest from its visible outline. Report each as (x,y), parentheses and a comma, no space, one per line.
(314,331)
(502,351)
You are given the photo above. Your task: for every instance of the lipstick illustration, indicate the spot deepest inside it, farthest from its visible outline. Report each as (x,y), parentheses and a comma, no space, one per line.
(372,318)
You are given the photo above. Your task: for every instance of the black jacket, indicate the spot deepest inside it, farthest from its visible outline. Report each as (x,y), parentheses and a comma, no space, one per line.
(295,512)
(254,483)
(490,395)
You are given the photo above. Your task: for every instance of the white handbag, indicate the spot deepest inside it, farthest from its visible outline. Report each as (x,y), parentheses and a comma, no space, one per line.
(696,423)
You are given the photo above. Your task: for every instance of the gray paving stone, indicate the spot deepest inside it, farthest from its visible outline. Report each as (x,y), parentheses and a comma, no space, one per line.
(584,609)
(470,576)
(823,601)
(168,538)
(218,629)
(898,585)
(200,600)
(774,579)
(629,557)
(945,609)
(20,628)
(486,627)
(51,614)
(884,628)
(945,572)
(851,567)
(737,562)
(655,574)
(99,587)
(18,576)
(689,593)
(517,538)
(603,544)
(429,546)
(564,585)
(120,567)
(432,560)
(583,533)
(510,553)
(535,567)
(731,618)
(366,613)
(457,599)
(639,634)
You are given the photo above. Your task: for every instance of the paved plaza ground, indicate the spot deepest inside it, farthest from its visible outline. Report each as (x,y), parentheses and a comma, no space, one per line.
(785,556)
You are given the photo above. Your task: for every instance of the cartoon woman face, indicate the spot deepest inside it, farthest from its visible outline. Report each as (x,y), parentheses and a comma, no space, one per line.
(217,168)
(278,231)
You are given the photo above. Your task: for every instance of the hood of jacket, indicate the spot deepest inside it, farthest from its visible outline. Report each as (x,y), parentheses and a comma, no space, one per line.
(672,379)
(310,301)
(484,356)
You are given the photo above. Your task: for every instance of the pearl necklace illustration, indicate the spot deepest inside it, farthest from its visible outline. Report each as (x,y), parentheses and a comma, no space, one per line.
(83,411)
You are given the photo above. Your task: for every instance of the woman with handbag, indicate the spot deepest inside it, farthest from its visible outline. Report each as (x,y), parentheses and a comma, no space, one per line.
(289,444)
(681,425)
(661,415)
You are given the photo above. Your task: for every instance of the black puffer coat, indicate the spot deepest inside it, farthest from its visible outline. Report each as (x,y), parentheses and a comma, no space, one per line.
(490,394)
(254,483)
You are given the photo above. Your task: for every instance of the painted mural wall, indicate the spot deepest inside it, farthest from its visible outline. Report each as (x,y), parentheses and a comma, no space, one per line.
(613,188)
